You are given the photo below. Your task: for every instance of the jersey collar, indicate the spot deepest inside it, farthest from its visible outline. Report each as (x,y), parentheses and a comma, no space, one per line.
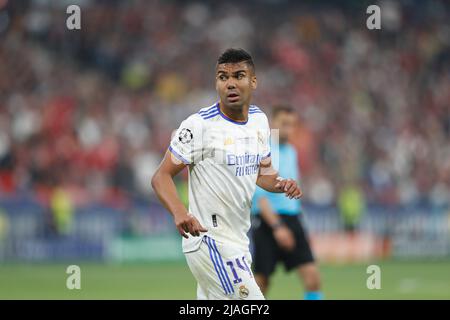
(229,119)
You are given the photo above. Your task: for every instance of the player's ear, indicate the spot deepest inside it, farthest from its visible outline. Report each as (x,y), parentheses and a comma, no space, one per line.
(254,82)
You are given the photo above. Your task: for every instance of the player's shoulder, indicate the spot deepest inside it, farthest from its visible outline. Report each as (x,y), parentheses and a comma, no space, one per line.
(255,111)
(207,113)
(198,118)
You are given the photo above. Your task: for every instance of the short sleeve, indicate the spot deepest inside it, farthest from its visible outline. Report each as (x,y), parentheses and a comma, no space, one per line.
(187,142)
(266,138)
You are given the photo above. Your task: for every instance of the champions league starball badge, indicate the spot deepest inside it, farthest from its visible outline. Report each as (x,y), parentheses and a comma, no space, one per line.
(185,135)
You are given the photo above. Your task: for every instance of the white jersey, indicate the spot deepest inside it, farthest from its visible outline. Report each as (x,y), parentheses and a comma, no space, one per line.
(224,157)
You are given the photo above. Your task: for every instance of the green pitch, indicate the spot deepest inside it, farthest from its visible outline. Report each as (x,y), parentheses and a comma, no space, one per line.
(399,280)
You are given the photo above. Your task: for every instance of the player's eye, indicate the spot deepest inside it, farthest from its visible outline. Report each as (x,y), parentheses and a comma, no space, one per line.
(240,76)
(222,77)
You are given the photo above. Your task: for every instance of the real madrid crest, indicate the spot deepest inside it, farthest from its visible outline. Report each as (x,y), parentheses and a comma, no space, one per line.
(243,292)
(260,137)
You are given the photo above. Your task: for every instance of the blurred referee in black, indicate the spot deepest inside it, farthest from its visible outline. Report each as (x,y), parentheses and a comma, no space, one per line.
(278,234)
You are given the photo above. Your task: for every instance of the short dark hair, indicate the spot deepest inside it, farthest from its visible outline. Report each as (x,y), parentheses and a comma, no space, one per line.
(276,110)
(232,55)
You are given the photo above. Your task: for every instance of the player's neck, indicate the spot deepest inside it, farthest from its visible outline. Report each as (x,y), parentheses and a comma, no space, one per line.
(236,115)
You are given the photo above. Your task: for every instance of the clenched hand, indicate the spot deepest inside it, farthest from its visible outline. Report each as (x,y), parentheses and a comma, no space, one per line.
(289,187)
(187,223)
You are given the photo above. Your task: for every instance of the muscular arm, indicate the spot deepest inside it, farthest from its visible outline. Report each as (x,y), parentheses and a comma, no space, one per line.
(164,186)
(269,180)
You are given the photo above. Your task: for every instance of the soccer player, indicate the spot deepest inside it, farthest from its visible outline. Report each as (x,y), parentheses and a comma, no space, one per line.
(226,149)
(278,234)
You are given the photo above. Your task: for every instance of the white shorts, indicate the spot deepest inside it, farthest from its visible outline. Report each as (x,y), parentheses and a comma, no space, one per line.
(223,272)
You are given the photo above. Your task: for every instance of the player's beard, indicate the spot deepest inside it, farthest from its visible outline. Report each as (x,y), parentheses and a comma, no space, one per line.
(236,107)
(239,105)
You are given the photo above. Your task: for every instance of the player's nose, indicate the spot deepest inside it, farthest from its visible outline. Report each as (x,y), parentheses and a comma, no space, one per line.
(231,85)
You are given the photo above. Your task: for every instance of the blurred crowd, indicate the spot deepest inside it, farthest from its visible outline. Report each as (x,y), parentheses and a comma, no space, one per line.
(92,110)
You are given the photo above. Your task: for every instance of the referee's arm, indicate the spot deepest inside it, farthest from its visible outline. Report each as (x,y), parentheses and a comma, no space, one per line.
(281,232)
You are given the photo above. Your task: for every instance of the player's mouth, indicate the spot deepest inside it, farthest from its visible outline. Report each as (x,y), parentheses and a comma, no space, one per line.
(233,97)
